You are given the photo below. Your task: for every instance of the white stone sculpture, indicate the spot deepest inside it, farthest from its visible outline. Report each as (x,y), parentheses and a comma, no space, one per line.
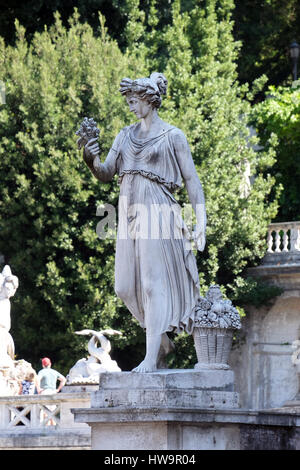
(156,273)
(87,370)
(11,377)
(12,372)
(7,349)
(8,287)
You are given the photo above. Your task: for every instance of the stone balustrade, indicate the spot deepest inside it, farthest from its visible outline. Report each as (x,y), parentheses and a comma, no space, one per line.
(43,421)
(281,264)
(284,237)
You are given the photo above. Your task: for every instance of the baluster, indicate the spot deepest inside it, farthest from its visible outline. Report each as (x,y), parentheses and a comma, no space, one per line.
(4,416)
(277,241)
(285,240)
(270,241)
(35,414)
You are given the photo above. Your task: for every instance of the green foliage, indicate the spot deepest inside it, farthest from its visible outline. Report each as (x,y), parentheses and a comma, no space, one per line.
(279,115)
(35,14)
(252,291)
(49,198)
(266,30)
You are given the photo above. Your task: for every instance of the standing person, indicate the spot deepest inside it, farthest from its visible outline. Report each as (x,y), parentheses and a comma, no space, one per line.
(155,276)
(48,378)
(30,384)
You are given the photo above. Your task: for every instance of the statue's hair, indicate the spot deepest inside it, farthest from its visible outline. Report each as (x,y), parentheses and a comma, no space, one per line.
(149,89)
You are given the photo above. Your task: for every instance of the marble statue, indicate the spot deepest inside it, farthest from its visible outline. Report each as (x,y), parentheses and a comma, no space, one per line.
(8,287)
(155,268)
(11,371)
(88,370)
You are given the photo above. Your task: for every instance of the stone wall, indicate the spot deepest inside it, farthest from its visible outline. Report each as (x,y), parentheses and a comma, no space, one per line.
(262,360)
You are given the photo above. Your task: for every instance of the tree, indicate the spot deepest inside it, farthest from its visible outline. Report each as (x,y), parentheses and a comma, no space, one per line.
(266,30)
(35,14)
(48,196)
(279,115)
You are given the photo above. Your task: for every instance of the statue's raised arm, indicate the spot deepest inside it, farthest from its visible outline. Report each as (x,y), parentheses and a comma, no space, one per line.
(88,140)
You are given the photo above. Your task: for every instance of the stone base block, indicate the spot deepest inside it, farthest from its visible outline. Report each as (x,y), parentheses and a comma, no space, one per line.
(167,388)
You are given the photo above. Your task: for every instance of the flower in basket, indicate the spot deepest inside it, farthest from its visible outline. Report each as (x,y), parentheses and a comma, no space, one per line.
(212,311)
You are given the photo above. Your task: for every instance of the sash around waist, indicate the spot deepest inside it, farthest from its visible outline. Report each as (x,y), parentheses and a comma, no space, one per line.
(170,185)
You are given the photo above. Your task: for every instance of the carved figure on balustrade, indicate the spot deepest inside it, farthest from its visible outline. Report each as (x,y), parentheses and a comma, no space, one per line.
(87,370)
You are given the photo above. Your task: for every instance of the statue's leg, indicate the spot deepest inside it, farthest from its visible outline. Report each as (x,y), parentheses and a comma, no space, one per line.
(149,364)
(157,303)
(125,277)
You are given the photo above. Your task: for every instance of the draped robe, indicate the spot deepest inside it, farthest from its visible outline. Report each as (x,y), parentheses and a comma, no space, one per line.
(155,269)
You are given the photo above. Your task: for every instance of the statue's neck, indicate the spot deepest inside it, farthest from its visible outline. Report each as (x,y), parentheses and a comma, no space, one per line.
(150,120)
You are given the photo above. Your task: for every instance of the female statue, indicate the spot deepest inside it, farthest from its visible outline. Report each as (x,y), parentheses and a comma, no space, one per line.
(155,270)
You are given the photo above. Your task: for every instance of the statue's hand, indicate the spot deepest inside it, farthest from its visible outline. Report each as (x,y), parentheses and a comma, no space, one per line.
(91,151)
(199,237)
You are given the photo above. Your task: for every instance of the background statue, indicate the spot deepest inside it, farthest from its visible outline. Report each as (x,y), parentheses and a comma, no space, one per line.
(8,287)
(11,372)
(88,370)
(155,269)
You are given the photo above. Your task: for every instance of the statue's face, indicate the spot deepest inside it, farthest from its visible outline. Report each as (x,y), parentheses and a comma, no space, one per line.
(139,107)
(8,290)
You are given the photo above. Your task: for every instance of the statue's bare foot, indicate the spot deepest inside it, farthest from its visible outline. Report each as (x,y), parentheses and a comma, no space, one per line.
(145,366)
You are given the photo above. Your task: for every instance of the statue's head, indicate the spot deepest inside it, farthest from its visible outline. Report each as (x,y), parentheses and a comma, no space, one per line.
(146,90)
(8,283)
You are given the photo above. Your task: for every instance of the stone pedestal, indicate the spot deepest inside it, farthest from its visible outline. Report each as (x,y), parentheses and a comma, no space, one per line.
(182,410)
(161,410)
(167,388)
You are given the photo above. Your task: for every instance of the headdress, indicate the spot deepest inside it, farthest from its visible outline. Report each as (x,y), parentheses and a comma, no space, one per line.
(146,88)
